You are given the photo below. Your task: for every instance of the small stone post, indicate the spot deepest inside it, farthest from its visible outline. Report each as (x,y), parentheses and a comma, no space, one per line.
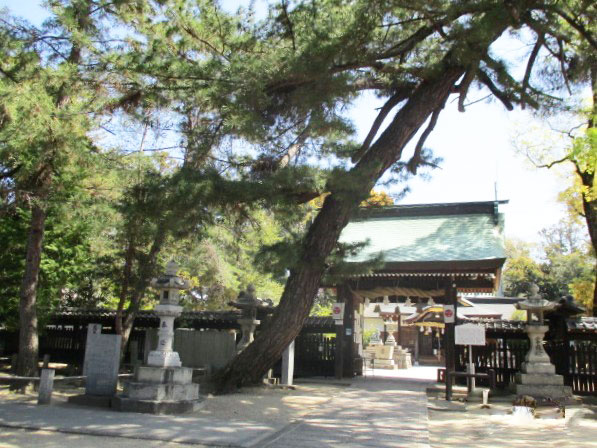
(46,385)
(288,365)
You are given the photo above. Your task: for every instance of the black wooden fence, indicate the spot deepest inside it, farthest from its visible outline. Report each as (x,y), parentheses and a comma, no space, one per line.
(314,348)
(575,360)
(65,345)
(314,355)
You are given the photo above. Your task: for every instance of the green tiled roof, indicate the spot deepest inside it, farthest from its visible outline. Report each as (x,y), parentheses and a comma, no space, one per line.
(427,238)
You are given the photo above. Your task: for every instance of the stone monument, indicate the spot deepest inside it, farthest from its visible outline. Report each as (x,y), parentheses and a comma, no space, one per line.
(538,375)
(100,367)
(163,386)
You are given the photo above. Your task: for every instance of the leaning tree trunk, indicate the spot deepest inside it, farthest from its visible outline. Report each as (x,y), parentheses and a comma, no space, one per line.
(28,338)
(302,285)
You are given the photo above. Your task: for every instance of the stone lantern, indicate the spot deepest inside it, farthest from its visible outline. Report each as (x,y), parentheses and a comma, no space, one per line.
(248,303)
(169,286)
(162,386)
(538,377)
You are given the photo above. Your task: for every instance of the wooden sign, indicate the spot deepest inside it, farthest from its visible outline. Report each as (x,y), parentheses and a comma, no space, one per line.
(469,334)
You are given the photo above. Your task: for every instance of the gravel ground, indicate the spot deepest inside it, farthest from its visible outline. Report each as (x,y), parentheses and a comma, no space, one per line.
(269,405)
(463,425)
(258,404)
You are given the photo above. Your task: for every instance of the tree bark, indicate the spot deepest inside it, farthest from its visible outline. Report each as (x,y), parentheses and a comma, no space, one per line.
(28,338)
(302,285)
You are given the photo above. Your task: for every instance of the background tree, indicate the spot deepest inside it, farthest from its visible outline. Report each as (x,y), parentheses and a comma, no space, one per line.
(44,146)
(561,265)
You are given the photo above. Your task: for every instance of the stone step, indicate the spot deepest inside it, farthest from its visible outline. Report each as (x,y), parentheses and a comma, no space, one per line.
(164,375)
(159,392)
(537,390)
(540,378)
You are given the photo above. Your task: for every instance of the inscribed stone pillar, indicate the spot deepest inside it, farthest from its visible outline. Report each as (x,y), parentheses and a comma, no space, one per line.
(288,365)
(46,385)
(93,331)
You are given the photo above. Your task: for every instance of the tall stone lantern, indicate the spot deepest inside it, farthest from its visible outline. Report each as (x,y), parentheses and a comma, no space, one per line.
(162,386)
(538,375)
(169,286)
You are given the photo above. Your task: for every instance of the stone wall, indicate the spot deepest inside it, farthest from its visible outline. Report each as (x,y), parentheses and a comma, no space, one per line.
(210,348)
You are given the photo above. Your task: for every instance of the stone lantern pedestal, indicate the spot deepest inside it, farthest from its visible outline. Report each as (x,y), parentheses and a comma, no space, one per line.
(163,386)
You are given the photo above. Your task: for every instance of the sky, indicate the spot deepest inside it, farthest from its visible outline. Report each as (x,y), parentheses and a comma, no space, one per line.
(477,148)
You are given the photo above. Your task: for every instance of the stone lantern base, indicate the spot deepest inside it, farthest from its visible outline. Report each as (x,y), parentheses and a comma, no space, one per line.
(538,375)
(159,390)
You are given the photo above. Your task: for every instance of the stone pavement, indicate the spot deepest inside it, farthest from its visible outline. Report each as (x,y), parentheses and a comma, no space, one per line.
(372,412)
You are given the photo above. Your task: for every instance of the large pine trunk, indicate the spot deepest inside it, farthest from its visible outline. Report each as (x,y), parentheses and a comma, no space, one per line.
(302,285)
(28,337)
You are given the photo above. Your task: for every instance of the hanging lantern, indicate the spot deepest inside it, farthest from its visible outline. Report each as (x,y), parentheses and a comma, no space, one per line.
(408,302)
(367,301)
(386,300)
(430,302)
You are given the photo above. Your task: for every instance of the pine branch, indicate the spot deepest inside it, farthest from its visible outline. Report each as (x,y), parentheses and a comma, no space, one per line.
(415,160)
(530,64)
(289,24)
(574,24)
(469,76)
(381,116)
(502,96)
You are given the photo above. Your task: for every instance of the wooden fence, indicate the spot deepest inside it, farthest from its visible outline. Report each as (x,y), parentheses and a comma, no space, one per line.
(314,355)
(314,352)
(575,360)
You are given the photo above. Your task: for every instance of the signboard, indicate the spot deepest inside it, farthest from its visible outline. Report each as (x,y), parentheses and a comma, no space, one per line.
(338,311)
(449,314)
(469,334)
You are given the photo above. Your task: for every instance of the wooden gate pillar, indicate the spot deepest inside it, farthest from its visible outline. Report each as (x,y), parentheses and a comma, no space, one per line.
(345,346)
(449,339)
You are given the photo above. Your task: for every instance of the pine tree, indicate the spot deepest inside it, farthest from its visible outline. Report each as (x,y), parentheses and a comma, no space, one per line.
(278,87)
